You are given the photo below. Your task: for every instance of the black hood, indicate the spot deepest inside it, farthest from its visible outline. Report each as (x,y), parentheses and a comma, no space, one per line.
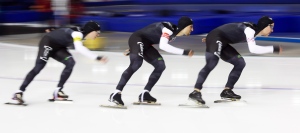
(182,23)
(262,23)
(89,27)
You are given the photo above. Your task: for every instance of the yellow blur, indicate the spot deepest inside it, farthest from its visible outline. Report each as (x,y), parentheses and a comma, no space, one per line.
(95,44)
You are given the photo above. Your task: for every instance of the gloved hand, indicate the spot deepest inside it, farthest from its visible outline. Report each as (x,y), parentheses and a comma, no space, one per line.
(126,52)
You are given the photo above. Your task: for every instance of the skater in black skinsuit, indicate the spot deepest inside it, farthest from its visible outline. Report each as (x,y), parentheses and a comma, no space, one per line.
(218,45)
(140,44)
(54,44)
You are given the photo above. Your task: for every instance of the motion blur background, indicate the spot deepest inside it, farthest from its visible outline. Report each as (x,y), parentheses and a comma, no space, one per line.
(270,85)
(34,16)
(25,21)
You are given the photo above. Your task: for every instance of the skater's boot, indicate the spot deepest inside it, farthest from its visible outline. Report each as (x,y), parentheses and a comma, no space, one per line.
(146,97)
(116,97)
(19,97)
(60,95)
(229,94)
(197,97)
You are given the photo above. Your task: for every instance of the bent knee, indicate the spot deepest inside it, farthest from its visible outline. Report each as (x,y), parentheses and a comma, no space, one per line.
(135,65)
(70,63)
(160,66)
(240,63)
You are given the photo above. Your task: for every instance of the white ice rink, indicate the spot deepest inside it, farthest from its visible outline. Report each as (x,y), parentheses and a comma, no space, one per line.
(270,85)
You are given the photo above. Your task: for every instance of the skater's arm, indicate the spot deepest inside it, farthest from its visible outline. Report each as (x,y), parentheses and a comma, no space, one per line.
(77,37)
(253,48)
(164,45)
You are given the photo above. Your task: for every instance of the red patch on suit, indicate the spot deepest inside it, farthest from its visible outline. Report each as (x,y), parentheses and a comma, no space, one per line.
(166,35)
(250,39)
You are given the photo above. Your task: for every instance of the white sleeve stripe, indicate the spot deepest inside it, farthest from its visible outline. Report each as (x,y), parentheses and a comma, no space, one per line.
(83,50)
(253,48)
(77,35)
(166,30)
(163,45)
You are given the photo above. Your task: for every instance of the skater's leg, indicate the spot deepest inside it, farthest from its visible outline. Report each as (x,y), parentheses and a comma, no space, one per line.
(159,67)
(231,56)
(153,57)
(66,58)
(214,47)
(211,62)
(43,55)
(44,52)
(136,47)
(39,65)
(135,63)
(30,76)
(239,64)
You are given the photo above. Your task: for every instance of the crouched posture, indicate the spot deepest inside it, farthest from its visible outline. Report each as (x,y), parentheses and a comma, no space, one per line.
(54,44)
(218,46)
(140,44)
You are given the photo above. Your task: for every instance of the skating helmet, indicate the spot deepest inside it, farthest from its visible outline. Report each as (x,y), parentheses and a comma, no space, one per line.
(183,22)
(263,22)
(91,26)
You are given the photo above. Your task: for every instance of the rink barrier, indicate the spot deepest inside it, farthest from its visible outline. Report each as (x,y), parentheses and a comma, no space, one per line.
(202,24)
(279,39)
